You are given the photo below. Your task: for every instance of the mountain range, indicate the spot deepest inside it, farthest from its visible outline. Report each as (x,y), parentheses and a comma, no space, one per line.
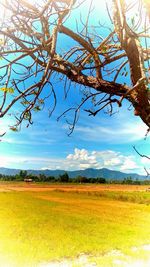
(89,173)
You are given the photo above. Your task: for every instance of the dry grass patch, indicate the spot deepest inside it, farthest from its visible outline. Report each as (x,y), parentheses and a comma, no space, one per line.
(38,227)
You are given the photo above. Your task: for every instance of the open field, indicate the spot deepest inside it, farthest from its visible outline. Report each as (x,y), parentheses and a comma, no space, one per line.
(21,186)
(74,225)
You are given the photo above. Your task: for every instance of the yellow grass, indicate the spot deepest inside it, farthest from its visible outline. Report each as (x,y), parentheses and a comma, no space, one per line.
(38,226)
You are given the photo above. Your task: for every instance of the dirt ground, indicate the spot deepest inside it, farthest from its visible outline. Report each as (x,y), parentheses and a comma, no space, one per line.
(35,187)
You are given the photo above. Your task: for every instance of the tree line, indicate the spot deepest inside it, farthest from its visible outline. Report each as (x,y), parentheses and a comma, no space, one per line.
(64,178)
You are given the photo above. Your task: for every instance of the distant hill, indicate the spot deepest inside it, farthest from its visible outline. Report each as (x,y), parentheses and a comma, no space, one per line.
(89,173)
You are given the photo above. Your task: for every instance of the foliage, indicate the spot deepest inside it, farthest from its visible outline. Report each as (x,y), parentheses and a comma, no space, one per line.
(7,90)
(81,179)
(64,178)
(22,175)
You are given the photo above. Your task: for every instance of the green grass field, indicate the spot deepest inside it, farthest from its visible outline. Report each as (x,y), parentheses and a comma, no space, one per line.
(39,227)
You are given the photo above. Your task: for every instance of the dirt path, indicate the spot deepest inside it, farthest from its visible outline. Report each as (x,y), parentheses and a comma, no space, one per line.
(80,188)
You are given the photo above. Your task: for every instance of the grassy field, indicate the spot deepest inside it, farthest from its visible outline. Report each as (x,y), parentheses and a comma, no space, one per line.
(78,227)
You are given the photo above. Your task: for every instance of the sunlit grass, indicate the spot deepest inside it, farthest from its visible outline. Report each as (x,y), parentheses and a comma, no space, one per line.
(142,197)
(37,227)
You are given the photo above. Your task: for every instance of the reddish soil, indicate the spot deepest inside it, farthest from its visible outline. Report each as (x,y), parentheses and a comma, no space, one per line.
(21,186)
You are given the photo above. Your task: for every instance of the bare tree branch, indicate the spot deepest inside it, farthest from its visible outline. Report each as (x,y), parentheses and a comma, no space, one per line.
(141,155)
(31,53)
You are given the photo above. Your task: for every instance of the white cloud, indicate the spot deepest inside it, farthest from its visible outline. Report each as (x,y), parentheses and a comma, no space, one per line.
(79,159)
(117,161)
(129,164)
(82,159)
(3,162)
(26,141)
(26,162)
(145,160)
(126,132)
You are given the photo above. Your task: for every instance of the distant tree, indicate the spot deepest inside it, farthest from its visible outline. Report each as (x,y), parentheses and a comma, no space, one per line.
(32,58)
(50,179)
(22,175)
(81,179)
(64,178)
(92,180)
(101,180)
(137,182)
(127,180)
(41,177)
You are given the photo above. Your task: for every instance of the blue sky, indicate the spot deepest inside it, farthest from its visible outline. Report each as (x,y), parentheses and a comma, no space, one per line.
(96,142)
